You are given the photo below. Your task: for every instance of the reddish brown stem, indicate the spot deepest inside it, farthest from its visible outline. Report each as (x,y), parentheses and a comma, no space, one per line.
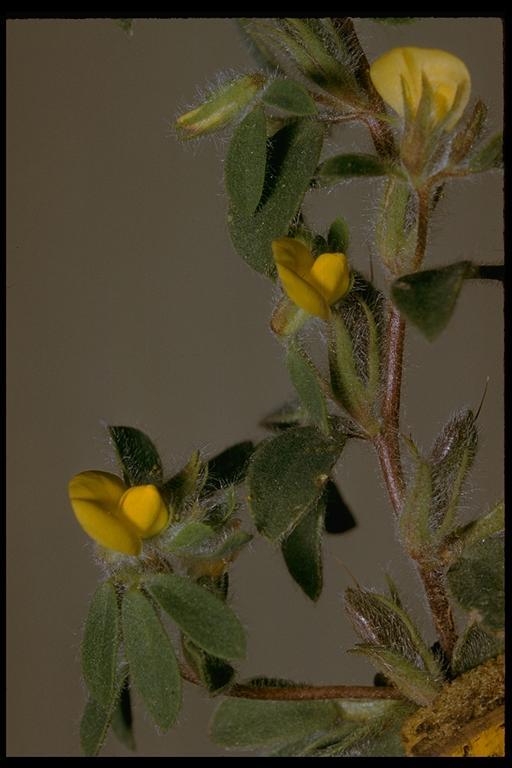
(434,579)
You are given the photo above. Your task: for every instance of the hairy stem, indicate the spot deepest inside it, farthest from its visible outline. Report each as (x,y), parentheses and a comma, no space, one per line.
(304,692)
(422,231)
(434,580)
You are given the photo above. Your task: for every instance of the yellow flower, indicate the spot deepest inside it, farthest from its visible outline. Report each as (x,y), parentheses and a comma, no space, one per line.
(312,284)
(115,516)
(398,74)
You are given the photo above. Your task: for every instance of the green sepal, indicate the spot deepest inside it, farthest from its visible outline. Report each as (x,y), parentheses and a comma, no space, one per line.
(139,459)
(246,723)
(346,166)
(464,140)
(302,551)
(151,659)
(395,234)
(187,482)
(245,162)
(292,157)
(415,516)
(208,621)
(286,477)
(415,684)
(100,644)
(187,538)
(489,157)
(289,96)
(307,381)
(428,298)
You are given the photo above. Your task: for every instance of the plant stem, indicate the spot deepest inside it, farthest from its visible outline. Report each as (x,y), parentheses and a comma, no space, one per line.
(434,581)
(422,231)
(304,692)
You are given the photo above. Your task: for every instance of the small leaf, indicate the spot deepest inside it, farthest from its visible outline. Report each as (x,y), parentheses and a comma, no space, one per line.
(338,238)
(122,718)
(230,466)
(395,234)
(483,527)
(290,97)
(306,380)
(338,517)
(286,478)
(292,157)
(491,156)
(288,415)
(245,162)
(96,720)
(302,551)
(416,684)
(383,623)
(208,621)
(343,167)
(245,723)
(477,580)
(100,644)
(138,456)
(187,538)
(473,647)
(415,514)
(223,106)
(428,298)
(151,659)
(215,674)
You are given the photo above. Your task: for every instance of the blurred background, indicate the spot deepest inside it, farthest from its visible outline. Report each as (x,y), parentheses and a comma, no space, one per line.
(128,305)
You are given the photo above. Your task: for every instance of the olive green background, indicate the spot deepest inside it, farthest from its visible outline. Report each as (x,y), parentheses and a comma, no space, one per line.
(127,304)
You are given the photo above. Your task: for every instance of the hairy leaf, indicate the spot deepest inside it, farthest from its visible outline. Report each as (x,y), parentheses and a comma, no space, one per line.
(215,674)
(338,238)
(138,456)
(343,167)
(302,551)
(306,380)
(473,647)
(122,717)
(100,644)
(230,466)
(245,162)
(289,96)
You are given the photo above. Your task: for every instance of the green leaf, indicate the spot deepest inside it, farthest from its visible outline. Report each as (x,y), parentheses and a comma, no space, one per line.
(415,514)
(338,238)
(100,644)
(428,298)
(477,580)
(473,647)
(96,720)
(338,517)
(151,659)
(188,537)
(245,162)
(215,674)
(451,458)
(381,622)
(483,527)
(395,234)
(286,416)
(290,97)
(306,380)
(343,167)
(138,456)
(302,551)
(208,621)
(416,684)
(286,477)
(246,723)
(223,106)
(491,156)
(292,157)
(122,718)
(187,481)
(230,466)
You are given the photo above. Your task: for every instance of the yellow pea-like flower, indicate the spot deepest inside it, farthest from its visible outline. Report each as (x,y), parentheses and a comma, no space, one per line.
(115,516)
(398,75)
(312,284)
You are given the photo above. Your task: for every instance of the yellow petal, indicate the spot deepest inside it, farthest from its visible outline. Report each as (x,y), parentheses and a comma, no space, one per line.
(302,293)
(444,71)
(292,254)
(330,275)
(94,497)
(143,508)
